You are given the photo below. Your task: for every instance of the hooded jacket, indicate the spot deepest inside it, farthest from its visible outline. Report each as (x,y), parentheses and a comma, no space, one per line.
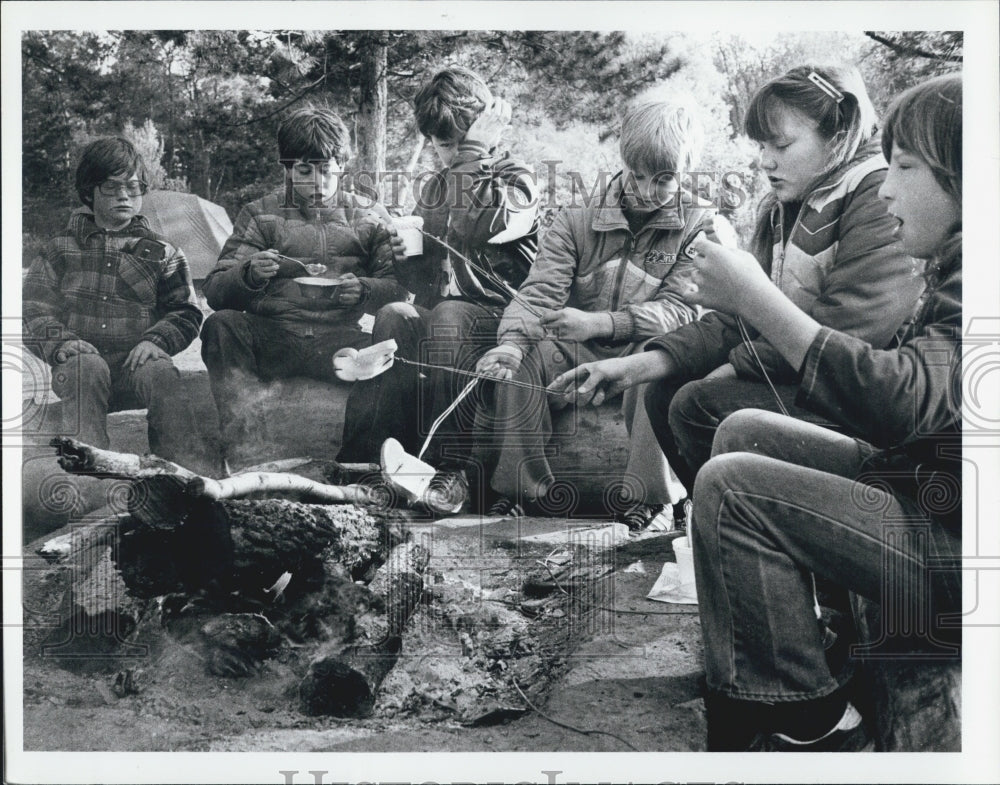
(345,236)
(482,198)
(840,263)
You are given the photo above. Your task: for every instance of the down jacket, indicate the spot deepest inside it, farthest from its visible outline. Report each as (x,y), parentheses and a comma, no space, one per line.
(346,237)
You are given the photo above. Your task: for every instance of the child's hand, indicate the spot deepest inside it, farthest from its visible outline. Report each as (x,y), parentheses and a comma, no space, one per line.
(572,324)
(721,276)
(263,266)
(350,291)
(500,362)
(72,349)
(597,381)
(398,245)
(142,352)
(488,127)
(726,371)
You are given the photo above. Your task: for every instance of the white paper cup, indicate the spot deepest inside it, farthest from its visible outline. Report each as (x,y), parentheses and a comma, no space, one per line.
(408,227)
(685,561)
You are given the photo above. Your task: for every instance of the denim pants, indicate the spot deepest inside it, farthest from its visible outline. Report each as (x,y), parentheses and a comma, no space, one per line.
(90,386)
(776,504)
(458,334)
(514,433)
(685,415)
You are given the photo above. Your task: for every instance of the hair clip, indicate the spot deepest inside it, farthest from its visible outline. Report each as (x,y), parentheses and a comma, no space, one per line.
(826,87)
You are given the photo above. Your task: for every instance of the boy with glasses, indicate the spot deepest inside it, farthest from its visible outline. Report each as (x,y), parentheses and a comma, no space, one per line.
(108,303)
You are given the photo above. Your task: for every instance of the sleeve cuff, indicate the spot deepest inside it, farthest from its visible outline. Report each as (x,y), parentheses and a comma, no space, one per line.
(622,325)
(160,342)
(244,276)
(811,366)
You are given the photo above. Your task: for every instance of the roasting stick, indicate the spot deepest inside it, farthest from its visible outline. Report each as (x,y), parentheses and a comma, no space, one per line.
(471,374)
(443,416)
(492,277)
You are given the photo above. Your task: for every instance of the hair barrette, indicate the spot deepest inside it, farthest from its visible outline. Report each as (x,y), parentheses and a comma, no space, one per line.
(826,87)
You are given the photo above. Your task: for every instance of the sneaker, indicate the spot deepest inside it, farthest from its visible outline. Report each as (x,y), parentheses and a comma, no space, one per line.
(639,516)
(848,735)
(505,507)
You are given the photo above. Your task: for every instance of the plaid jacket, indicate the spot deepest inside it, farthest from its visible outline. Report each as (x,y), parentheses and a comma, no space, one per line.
(98,286)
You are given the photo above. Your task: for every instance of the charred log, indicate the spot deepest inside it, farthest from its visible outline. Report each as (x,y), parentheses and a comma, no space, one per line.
(343,681)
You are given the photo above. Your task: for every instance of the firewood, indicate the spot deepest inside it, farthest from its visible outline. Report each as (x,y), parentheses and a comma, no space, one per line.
(163,491)
(343,681)
(76,457)
(245,484)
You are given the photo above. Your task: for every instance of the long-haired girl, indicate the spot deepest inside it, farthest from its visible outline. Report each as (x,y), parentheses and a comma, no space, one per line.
(877,509)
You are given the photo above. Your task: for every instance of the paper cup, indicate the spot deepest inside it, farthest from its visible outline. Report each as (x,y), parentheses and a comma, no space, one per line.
(409,227)
(685,561)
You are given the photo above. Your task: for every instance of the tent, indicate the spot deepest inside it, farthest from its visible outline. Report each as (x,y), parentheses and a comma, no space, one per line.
(197,226)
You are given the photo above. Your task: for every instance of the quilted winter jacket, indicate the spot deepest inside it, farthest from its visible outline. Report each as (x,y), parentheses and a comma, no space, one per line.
(347,238)
(590,259)
(841,264)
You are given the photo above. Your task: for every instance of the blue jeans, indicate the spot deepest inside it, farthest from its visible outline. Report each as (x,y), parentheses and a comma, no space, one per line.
(775,504)
(685,415)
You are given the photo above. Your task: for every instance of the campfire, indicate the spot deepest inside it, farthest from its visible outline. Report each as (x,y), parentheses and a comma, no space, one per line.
(319,575)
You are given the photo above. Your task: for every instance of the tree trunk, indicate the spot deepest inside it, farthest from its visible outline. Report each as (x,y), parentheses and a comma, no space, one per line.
(372,108)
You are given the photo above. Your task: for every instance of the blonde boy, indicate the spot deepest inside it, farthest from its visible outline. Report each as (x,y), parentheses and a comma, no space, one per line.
(608,277)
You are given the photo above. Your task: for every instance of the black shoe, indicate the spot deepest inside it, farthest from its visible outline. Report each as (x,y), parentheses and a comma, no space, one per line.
(733,725)
(848,735)
(640,516)
(505,507)
(447,492)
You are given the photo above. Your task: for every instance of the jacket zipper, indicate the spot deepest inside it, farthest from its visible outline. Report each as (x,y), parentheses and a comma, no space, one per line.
(322,249)
(616,291)
(784,242)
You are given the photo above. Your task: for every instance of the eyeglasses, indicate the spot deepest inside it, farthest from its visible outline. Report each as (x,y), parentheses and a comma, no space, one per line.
(114,187)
